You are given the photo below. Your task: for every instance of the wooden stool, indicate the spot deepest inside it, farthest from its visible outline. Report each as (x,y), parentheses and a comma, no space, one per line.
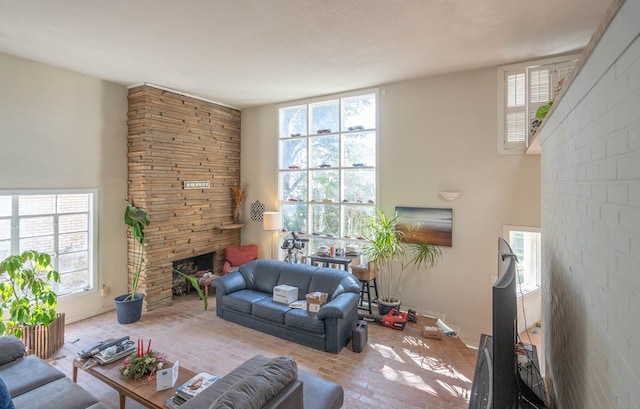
(366,275)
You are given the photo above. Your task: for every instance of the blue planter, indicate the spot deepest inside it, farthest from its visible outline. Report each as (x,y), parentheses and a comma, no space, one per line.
(128,311)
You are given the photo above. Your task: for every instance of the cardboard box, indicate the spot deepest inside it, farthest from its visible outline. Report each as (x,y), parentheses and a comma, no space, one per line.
(285,294)
(316,300)
(432,332)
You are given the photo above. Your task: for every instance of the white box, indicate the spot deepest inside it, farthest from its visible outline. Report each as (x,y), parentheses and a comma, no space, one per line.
(285,294)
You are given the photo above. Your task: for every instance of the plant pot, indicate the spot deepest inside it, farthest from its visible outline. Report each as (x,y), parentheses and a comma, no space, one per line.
(44,341)
(128,311)
(385,306)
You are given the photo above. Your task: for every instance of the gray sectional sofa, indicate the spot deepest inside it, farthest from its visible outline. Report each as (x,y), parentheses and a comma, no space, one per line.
(263,383)
(34,384)
(246,297)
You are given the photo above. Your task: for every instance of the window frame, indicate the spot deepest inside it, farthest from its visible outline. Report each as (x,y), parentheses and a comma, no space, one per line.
(337,240)
(507,229)
(505,147)
(92,231)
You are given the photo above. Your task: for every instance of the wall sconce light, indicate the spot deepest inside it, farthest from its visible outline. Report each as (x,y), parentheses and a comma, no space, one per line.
(271,222)
(450,196)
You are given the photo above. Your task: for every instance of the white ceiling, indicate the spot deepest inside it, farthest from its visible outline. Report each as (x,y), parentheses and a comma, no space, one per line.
(252,52)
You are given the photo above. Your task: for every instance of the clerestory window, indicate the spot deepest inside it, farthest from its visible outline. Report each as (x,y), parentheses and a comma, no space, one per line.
(327,167)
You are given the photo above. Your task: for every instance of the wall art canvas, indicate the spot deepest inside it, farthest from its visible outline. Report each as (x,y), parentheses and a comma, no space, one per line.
(426,224)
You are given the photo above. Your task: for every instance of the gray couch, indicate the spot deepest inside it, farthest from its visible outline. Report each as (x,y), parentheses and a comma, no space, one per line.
(263,383)
(246,297)
(34,384)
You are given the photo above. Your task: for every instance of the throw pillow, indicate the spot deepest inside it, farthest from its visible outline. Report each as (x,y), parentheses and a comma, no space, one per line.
(5,397)
(260,387)
(11,348)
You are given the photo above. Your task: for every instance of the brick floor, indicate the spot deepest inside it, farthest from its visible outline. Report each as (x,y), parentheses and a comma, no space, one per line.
(397,369)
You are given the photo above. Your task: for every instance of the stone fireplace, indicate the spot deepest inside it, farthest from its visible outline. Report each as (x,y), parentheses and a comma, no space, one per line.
(174,139)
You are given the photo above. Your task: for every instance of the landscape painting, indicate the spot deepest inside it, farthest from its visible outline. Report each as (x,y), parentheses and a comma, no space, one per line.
(431,225)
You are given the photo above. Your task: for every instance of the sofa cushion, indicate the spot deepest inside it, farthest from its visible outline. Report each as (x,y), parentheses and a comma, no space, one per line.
(259,387)
(5,396)
(19,375)
(300,319)
(297,275)
(270,310)
(11,348)
(243,300)
(261,275)
(61,393)
(333,282)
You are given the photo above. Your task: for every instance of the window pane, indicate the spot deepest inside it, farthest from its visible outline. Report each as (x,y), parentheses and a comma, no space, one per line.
(359,149)
(355,220)
(325,151)
(526,245)
(5,229)
(73,261)
(5,206)
(359,112)
(73,242)
(74,222)
(5,249)
(324,186)
(294,217)
(73,281)
(359,185)
(325,219)
(293,153)
(293,121)
(73,203)
(43,244)
(294,186)
(36,226)
(325,116)
(36,204)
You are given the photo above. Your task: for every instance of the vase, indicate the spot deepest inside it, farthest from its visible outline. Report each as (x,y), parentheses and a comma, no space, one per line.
(236,213)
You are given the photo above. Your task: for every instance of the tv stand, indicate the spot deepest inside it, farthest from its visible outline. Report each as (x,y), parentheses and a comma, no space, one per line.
(532,394)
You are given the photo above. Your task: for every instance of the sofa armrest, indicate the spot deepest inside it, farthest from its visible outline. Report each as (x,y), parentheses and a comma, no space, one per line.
(336,307)
(234,281)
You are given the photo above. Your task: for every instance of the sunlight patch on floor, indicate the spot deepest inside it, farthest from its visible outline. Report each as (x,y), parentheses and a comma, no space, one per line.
(387,352)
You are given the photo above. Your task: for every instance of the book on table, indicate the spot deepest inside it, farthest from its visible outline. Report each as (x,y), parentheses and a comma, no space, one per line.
(191,388)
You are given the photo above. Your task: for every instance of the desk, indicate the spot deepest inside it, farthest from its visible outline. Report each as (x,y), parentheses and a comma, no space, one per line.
(344,261)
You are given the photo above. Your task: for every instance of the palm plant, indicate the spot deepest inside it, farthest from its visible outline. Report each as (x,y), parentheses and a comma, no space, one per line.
(386,247)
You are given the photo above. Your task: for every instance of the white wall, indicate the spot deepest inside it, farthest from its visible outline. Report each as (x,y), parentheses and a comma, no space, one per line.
(60,129)
(591,227)
(435,134)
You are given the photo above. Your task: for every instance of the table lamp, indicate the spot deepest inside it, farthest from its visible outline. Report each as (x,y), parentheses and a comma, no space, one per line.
(271,222)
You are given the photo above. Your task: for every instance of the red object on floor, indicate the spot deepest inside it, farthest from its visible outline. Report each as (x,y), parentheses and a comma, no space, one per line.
(395,319)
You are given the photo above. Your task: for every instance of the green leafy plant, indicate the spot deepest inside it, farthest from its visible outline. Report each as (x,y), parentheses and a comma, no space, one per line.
(386,248)
(137,219)
(25,291)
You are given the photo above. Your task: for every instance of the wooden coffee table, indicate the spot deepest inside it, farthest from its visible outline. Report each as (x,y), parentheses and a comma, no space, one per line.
(138,390)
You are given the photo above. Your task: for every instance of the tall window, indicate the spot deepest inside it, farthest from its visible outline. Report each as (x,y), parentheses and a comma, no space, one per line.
(526,244)
(523,88)
(60,223)
(327,162)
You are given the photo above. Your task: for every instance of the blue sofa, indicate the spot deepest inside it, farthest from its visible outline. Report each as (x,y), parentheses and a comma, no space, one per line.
(246,298)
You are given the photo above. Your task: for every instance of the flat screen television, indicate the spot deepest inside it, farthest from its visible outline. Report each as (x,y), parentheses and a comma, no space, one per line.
(495,381)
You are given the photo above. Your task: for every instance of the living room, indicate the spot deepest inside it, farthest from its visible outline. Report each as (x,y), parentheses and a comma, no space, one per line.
(62,129)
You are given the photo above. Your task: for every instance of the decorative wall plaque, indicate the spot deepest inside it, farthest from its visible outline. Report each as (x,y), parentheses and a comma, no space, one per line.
(257,209)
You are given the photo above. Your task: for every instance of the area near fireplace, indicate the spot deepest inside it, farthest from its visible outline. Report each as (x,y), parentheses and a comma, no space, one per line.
(172,139)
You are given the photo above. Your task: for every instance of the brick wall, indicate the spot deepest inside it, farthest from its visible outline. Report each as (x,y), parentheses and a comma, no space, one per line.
(591,227)
(174,138)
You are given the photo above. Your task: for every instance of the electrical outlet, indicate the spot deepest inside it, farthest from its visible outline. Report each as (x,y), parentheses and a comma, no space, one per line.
(104,291)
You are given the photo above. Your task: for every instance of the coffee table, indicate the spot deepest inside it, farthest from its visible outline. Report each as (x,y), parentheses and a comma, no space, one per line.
(138,390)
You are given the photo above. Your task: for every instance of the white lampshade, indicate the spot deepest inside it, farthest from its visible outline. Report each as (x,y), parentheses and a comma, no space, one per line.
(271,221)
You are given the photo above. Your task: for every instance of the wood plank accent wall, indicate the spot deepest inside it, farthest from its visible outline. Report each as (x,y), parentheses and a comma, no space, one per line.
(174,138)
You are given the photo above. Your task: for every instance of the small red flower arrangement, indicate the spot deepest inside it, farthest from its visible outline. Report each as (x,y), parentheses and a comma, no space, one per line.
(141,363)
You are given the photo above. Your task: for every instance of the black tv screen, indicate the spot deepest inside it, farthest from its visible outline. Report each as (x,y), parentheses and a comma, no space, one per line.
(504,338)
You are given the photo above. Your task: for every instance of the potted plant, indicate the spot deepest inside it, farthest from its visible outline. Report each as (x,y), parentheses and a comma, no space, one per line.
(386,248)
(129,306)
(28,297)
